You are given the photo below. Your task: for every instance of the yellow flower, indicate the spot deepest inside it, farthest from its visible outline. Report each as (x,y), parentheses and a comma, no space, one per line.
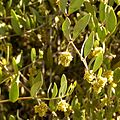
(65,58)
(89,76)
(109,75)
(41,109)
(63,106)
(99,84)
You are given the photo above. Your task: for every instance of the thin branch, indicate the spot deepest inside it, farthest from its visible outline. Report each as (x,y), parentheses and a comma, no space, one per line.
(29,98)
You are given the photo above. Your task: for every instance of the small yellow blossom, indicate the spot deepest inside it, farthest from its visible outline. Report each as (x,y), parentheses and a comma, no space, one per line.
(109,75)
(63,106)
(41,109)
(99,84)
(65,58)
(89,76)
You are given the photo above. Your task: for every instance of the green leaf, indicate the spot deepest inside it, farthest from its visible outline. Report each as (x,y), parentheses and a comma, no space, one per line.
(111,20)
(53,105)
(55,91)
(102,9)
(116,75)
(38,78)
(80,25)
(37,84)
(98,62)
(9,3)
(33,54)
(49,58)
(15,67)
(14,90)
(11,117)
(15,23)
(101,30)
(89,44)
(66,28)
(63,4)
(35,88)
(63,86)
(75,5)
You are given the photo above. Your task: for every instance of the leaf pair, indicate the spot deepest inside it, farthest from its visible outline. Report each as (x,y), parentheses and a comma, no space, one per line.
(74,5)
(78,28)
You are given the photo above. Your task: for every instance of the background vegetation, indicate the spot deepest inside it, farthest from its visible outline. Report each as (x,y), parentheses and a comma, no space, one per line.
(59,59)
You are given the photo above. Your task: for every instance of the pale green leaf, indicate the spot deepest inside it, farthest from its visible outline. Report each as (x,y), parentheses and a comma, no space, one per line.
(63,4)
(102,9)
(98,62)
(63,86)
(15,23)
(14,90)
(38,78)
(37,84)
(80,25)
(89,44)
(15,67)
(33,54)
(66,28)
(75,5)
(35,88)
(111,20)
(55,90)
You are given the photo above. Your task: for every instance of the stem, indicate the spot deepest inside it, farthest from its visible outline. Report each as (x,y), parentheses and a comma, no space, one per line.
(29,98)
(82,59)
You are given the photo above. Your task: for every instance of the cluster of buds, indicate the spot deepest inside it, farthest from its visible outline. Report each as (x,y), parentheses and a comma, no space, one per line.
(99,84)
(89,76)
(65,58)
(63,106)
(41,109)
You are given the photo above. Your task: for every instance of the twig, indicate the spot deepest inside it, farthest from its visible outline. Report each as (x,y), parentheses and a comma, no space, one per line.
(29,98)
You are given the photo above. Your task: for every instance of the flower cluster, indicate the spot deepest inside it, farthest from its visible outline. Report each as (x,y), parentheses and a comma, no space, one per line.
(41,109)
(99,84)
(63,106)
(65,58)
(89,76)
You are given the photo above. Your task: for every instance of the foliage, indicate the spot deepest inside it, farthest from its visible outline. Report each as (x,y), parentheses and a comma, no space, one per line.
(59,59)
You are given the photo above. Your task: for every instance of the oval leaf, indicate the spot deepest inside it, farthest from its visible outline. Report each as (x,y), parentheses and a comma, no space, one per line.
(75,5)
(14,90)
(62,5)
(89,44)
(35,88)
(55,90)
(15,67)
(63,86)
(98,62)
(66,28)
(15,23)
(37,84)
(80,25)
(111,20)
(33,55)
(102,9)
